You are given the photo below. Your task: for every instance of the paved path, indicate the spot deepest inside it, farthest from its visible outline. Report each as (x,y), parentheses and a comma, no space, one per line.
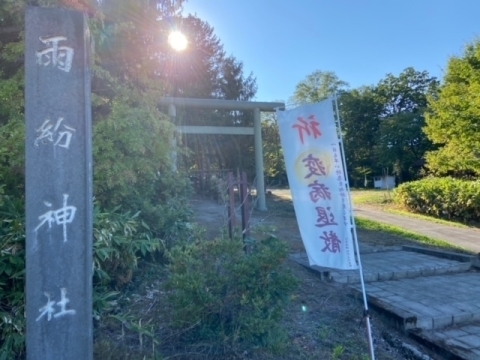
(467,238)
(432,296)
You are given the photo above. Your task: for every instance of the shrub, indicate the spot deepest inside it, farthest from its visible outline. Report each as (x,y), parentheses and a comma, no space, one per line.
(119,240)
(12,278)
(223,297)
(445,198)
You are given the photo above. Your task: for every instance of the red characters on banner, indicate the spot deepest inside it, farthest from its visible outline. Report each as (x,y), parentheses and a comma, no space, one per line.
(311,128)
(315,166)
(325,217)
(332,242)
(319,191)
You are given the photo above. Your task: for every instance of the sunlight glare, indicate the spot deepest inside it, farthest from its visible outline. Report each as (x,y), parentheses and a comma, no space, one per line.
(177,41)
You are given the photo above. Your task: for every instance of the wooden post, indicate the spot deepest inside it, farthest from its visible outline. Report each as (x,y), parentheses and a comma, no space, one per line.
(231,205)
(245,206)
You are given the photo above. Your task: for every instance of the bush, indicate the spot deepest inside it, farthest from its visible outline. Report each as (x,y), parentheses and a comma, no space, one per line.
(223,297)
(119,240)
(12,278)
(445,198)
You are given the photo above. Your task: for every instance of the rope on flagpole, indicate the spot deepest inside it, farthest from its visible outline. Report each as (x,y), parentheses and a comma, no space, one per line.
(352,222)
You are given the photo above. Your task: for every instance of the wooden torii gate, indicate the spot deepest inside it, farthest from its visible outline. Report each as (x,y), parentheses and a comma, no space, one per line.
(218,104)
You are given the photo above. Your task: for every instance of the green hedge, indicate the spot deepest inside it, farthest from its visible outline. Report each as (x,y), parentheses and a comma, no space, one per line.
(444,198)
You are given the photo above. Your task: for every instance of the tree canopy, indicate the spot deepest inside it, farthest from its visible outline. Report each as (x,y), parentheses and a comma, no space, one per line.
(401,142)
(453,122)
(381,124)
(317,86)
(133,67)
(360,111)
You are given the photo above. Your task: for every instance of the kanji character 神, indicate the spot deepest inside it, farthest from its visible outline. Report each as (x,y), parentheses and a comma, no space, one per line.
(62,216)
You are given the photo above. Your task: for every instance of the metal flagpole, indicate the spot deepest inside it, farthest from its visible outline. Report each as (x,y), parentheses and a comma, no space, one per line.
(352,221)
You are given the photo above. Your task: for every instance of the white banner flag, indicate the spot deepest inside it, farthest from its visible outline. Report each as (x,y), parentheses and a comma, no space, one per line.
(318,184)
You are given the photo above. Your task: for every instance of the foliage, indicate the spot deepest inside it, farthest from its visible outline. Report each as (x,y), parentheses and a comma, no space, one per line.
(453,121)
(274,163)
(132,141)
(12,138)
(12,278)
(129,148)
(382,126)
(12,158)
(401,141)
(204,71)
(360,111)
(445,198)
(225,297)
(119,239)
(317,86)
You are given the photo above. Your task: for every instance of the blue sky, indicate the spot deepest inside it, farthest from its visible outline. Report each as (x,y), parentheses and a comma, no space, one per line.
(283,41)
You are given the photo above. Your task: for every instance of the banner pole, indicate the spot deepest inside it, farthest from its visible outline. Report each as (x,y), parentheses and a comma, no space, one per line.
(354,229)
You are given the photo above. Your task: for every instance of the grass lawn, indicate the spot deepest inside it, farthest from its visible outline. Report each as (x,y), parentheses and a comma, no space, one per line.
(383,199)
(395,230)
(371,197)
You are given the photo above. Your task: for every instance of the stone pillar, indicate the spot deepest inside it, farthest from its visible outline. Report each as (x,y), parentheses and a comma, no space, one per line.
(260,182)
(58,185)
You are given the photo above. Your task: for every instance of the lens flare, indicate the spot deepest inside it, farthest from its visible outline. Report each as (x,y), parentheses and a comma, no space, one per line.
(177,41)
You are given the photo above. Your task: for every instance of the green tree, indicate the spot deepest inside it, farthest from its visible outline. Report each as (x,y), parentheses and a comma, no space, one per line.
(401,140)
(453,122)
(360,111)
(274,161)
(209,73)
(317,86)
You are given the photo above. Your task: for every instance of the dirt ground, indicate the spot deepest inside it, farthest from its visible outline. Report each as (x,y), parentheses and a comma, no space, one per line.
(324,320)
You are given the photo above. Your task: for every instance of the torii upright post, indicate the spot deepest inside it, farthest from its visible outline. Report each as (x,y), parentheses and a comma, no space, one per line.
(260,181)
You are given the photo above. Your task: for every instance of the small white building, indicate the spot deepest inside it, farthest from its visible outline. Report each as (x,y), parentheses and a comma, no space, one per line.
(384,182)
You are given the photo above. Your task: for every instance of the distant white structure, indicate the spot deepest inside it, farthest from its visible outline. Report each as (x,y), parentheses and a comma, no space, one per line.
(384,182)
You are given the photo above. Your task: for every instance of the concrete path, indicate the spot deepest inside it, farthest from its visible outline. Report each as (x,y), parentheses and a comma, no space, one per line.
(390,264)
(433,295)
(467,238)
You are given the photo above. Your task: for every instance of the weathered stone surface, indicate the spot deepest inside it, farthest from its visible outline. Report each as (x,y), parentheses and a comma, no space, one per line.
(58,185)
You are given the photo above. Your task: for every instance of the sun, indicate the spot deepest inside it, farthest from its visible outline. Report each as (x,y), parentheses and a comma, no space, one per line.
(177,41)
